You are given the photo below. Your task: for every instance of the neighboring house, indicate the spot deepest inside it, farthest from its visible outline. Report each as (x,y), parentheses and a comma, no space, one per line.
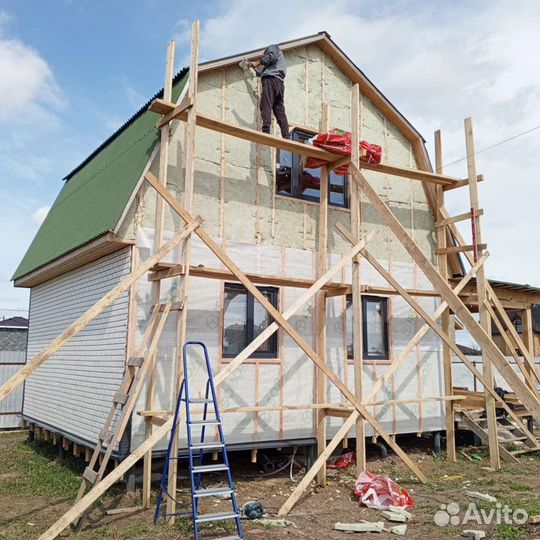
(13,337)
(258,205)
(516,317)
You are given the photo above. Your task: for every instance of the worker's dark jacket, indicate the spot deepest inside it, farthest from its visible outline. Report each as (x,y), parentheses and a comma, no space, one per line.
(273,63)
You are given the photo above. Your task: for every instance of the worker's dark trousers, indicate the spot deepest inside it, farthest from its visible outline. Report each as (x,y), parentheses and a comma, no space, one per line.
(273,92)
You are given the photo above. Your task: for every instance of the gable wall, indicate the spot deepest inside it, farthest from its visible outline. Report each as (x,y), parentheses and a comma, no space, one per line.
(228,186)
(265,233)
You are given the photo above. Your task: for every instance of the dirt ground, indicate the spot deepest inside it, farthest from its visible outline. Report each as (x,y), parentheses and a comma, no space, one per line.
(36,488)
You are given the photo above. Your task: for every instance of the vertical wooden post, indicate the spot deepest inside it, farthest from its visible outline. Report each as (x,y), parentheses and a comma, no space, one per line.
(485,320)
(156,285)
(320,300)
(189,161)
(356,229)
(442,263)
(526,321)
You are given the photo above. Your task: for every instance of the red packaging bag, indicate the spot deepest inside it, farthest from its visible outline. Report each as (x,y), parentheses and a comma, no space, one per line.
(339,142)
(380,492)
(341,462)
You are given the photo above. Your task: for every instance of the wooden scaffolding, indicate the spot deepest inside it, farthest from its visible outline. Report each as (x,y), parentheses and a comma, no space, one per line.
(140,365)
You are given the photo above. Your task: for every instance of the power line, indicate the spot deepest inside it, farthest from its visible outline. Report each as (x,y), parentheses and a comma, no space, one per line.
(492,146)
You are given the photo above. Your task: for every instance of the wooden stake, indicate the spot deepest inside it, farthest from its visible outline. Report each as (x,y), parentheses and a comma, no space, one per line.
(442,263)
(528,340)
(320,388)
(319,463)
(357,322)
(485,320)
(189,159)
(156,286)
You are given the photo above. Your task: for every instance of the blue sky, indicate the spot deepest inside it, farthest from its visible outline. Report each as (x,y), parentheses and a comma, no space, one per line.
(71,72)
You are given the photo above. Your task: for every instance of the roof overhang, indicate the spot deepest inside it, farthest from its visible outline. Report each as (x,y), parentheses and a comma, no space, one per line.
(104,245)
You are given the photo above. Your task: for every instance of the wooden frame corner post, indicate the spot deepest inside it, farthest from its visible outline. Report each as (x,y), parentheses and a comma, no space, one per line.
(442,263)
(189,157)
(320,379)
(356,226)
(485,319)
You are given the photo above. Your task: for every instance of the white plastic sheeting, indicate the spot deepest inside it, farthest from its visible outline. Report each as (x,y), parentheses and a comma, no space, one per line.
(463,377)
(289,379)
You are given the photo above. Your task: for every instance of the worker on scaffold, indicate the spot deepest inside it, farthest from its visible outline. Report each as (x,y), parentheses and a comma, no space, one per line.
(272,69)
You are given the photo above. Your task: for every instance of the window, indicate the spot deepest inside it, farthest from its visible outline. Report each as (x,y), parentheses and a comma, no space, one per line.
(244,319)
(294,180)
(375,328)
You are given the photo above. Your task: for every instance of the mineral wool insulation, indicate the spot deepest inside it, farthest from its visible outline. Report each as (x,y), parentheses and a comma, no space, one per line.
(289,379)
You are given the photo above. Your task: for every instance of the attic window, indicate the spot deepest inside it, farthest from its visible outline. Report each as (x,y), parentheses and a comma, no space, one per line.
(294,180)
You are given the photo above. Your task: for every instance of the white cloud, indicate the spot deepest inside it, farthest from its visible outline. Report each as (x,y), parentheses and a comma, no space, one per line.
(38,217)
(27,84)
(438,63)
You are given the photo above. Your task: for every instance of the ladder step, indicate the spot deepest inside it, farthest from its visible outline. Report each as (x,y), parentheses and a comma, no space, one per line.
(90,475)
(208,492)
(207,446)
(201,400)
(205,422)
(203,518)
(525,451)
(135,361)
(233,537)
(210,468)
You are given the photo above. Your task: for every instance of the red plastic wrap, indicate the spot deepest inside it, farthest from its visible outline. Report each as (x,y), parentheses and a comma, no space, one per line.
(339,142)
(380,492)
(341,462)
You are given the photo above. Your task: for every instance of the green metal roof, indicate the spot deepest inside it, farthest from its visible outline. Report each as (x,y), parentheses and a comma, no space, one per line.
(95,194)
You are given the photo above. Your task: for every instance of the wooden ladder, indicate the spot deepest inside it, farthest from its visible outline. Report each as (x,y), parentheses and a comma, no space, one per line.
(124,401)
(508,432)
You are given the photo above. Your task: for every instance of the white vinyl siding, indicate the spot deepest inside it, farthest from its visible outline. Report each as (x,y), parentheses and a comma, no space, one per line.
(10,408)
(72,391)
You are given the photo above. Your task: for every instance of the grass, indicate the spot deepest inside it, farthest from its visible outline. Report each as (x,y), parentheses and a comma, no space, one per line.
(516,486)
(507,531)
(120,531)
(31,469)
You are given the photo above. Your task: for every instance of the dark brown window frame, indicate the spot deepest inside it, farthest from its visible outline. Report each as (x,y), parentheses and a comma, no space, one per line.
(383,300)
(301,135)
(273,293)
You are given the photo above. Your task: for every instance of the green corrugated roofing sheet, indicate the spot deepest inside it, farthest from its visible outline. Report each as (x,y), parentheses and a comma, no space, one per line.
(92,200)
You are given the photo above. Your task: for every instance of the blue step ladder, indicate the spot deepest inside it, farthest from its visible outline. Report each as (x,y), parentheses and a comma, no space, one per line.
(196,451)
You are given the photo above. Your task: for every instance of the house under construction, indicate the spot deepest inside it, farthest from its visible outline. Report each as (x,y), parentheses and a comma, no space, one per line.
(189,223)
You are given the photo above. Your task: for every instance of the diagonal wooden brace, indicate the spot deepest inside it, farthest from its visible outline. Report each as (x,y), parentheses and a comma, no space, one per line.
(87,500)
(228,262)
(523,392)
(430,323)
(75,327)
